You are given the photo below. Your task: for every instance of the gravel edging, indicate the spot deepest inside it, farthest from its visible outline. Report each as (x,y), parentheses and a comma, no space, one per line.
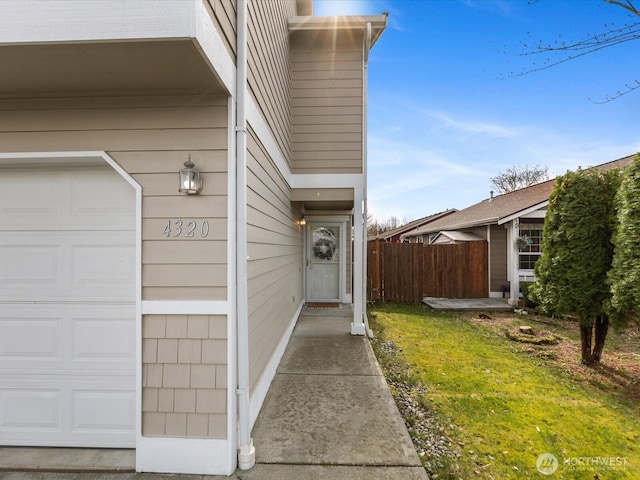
(426,430)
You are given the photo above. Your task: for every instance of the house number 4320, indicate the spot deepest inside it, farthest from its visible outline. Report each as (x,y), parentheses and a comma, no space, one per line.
(186,228)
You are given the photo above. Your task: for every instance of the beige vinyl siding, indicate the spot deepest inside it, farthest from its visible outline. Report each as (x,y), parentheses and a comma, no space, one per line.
(223,14)
(275,256)
(150,137)
(268,70)
(498,258)
(327,106)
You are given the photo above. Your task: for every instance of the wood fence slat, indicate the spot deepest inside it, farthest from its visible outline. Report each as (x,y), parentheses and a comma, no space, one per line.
(408,272)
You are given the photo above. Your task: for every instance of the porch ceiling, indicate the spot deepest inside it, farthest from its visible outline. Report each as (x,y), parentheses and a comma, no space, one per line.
(324,198)
(105,68)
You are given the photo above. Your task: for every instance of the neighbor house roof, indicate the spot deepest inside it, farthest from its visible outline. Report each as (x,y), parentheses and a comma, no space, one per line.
(502,208)
(389,234)
(457,236)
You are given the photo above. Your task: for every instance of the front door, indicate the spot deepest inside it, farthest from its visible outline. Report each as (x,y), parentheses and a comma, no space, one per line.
(324,262)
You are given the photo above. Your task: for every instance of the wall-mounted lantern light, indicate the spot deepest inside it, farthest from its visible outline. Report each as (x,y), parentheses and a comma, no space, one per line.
(190,179)
(302,221)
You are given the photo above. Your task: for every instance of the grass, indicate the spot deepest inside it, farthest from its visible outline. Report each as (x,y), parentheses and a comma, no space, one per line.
(500,407)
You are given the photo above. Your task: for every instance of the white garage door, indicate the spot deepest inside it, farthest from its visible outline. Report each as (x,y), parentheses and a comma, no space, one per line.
(67,307)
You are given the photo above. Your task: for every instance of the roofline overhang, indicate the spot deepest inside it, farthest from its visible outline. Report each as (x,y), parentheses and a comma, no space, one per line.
(522,213)
(351,22)
(455,226)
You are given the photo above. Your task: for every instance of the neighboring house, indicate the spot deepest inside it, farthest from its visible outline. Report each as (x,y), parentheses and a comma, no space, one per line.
(395,235)
(511,224)
(136,316)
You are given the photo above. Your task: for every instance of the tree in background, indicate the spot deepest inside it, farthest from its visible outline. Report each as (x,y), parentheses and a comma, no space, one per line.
(517,177)
(577,254)
(624,276)
(561,51)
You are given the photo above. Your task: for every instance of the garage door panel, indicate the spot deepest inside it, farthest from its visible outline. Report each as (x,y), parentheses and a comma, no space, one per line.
(103,342)
(120,405)
(43,201)
(68,339)
(30,409)
(32,339)
(28,266)
(71,266)
(67,307)
(88,193)
(35,411)
(98,266)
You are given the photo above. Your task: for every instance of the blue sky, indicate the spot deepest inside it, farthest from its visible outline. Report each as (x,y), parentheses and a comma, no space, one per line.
(445,115)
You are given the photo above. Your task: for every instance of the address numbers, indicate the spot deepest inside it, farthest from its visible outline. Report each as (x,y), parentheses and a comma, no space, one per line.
(186,228)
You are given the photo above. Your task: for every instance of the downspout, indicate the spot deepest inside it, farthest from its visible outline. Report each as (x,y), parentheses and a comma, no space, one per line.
(365,96)
(246,451)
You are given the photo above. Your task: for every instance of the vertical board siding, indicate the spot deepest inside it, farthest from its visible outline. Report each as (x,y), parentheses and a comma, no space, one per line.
(408,272)
(224,14)
(268,70)
(327,108)
(150,137)
(275,253)
(498,258)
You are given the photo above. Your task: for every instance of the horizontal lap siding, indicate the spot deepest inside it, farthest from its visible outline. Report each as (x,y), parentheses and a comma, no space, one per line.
(223,13)
(275,253)
(268,66)
(327,109)
(150,137)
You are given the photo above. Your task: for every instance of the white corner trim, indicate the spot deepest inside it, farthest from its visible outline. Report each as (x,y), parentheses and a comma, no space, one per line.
(184,307)
(213,48)
(260,392)
(184,455)
(262,130)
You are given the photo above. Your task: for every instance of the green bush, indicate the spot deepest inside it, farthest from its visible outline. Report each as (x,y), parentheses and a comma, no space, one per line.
(529,300)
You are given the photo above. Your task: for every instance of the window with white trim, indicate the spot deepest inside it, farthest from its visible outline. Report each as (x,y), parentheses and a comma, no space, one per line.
(529,245)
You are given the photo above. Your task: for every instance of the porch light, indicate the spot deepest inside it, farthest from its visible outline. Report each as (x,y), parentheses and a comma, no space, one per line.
(190,179)
(302,221)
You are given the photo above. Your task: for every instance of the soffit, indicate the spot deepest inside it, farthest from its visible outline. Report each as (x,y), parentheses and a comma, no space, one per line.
(78,69)
(314,199)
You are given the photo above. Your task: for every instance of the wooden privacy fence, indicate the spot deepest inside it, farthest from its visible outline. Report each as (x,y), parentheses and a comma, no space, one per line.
(408,272)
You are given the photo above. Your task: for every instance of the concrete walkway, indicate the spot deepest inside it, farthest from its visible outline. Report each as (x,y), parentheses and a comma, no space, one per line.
(329,412)
(328,415)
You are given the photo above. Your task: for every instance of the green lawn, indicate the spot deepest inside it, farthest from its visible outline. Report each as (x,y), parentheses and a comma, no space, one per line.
(500,408)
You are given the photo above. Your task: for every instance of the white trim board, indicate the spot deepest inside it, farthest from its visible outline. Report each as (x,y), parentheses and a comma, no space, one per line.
(182,307)
(184,455)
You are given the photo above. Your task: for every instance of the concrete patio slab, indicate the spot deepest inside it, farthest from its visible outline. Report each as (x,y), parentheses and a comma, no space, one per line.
(485,304)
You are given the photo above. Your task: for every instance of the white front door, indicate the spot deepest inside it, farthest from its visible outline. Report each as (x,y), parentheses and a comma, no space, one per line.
(67,307)
(324,262)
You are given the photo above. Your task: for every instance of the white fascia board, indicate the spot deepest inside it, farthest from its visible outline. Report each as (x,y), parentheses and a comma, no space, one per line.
(524,212)
(35,21)
(328,180)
